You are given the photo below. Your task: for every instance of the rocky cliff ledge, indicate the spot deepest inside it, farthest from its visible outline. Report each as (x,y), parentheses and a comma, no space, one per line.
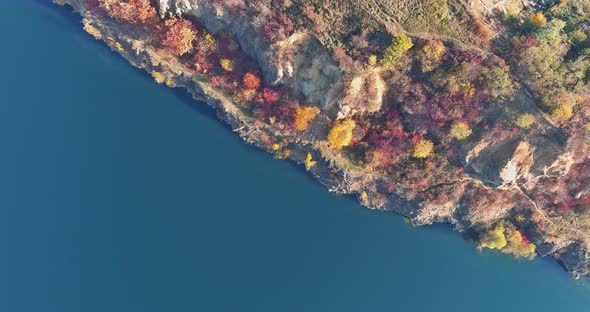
(473,113)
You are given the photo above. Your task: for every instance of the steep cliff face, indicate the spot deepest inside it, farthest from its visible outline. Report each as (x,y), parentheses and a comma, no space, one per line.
(436,136)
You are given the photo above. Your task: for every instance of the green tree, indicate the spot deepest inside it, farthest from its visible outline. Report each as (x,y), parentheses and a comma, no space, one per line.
(399,46)
(496,80)
(551,32)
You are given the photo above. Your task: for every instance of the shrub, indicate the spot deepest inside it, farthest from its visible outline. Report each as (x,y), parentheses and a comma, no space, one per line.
(460,130)
(341,133)
(525,121)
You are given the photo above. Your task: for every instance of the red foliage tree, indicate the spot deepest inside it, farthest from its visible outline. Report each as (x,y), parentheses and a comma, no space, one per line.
(130,11)
(270,95)
(178,35)
(279,27)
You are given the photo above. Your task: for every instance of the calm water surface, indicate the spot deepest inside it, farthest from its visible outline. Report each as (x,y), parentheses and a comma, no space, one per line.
(117,194)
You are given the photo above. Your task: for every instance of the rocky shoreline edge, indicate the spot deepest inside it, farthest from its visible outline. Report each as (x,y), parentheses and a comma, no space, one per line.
(368,187)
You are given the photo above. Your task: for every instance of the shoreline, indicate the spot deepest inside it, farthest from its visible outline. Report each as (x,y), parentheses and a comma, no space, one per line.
(364,186)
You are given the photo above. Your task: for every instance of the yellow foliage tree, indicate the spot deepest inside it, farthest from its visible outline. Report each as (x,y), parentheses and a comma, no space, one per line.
(227,64)
(507,239)
(341,133)
(364,198)
(431,55)
(89,28)
(493,238)
(562,112)
(207,43)
(467,88)
(525,121)
(372,60)
(304,115)
(423,149)
(159,77)
(460,130)
(539,19)
(309,162)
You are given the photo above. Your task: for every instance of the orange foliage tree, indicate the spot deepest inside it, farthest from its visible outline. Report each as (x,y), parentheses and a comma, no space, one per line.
(251,81)
(341,133)
(304,115)
(178,36)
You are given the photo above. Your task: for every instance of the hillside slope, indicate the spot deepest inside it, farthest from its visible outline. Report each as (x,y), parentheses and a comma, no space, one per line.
(473,113)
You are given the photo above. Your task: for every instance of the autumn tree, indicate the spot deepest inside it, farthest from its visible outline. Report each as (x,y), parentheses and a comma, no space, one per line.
(226,64)
(309,162)
(178,36)
(562,112)
(431,55)
(278,27)
(539,19)
(460,130)
(507,239)
(341,133)
(493,238)
(495,78)
(399,46)
(423,148)
(518,245)
(251,81)
(206,44)
(525,121)
(130,11)
(304,115)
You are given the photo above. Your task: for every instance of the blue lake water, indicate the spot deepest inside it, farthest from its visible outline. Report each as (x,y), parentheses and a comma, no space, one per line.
(117,194)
